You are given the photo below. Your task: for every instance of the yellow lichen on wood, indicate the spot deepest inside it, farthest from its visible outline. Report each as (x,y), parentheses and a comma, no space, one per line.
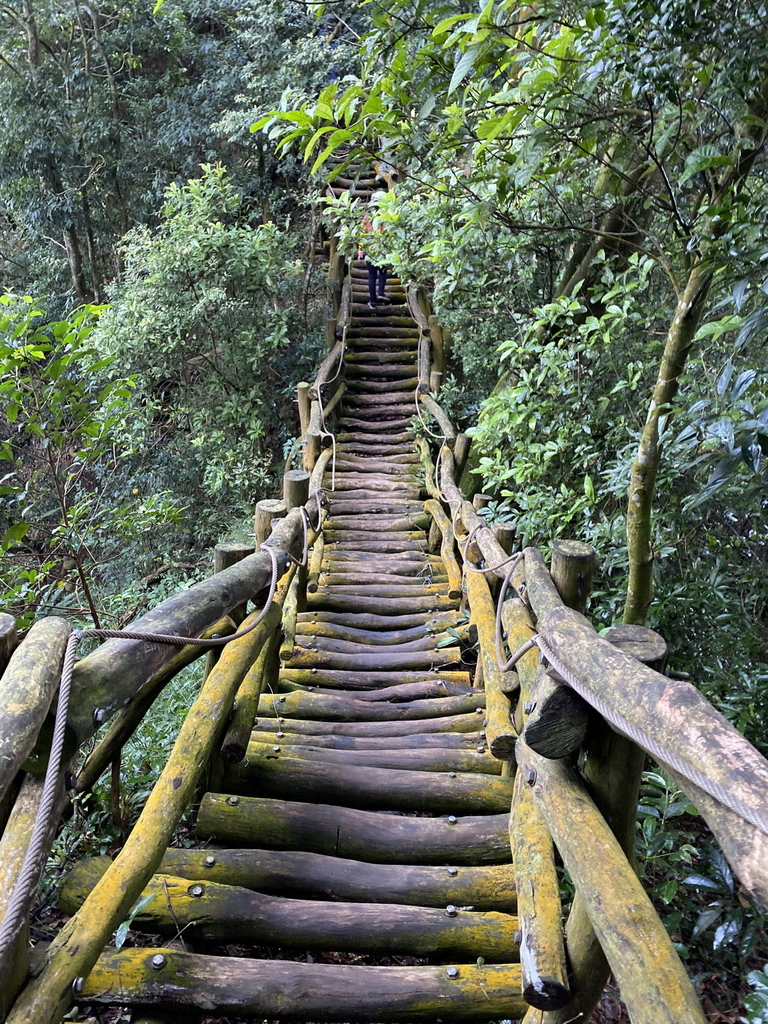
(652,980)
(447,546)
(79,943)
(500,730)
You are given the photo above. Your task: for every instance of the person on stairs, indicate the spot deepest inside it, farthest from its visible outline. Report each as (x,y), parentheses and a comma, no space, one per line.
(377,276)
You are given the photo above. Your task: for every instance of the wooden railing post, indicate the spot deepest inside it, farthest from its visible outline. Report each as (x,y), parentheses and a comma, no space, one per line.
(267,510)
(225,554)
(9,639)
(302,391)
(295,488)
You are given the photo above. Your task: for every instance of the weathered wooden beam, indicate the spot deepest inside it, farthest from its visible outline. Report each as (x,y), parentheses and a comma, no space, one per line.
(368,788)
(315,876)
(14,843)
(295,488)
(108,678)
(360,835)
(332,708)
(9,639)
(335,741)
(436,411)
(447,546)
(449,723)
(26,690)
(78,944)
(274,989)
(542,950)
(210,912)
(652,980)
(545,978)
(236,738)
(126,721)
(500,729)
(683,722)
(440,759)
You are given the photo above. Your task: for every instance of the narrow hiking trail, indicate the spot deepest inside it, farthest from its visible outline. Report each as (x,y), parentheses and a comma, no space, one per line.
(368,819)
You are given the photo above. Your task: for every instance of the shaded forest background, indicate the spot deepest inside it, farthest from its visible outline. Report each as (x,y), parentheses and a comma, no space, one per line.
(580,183)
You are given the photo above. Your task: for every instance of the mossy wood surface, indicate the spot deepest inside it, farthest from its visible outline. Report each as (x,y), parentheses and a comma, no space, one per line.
(211,912)
(651,978)
(274,989)
(315,876)
(79,943)
(358,835)
(26,689)
(114,672)
(681,720)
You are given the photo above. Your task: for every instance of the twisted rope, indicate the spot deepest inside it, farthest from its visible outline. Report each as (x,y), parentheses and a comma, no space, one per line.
(33,859)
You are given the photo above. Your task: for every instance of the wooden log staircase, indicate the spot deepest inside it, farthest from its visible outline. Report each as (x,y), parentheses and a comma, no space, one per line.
(369,819)
(381,802)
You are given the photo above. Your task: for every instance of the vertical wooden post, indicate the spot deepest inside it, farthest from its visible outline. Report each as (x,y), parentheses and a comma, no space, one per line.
(9,639)
(225,554)
(612,771)
(481,501)
(267,510)
(330,332)
(573,569)
(302,391)
(436,337)
(505,534)
(295,488)
(460,453)
(435,381)
(312,450)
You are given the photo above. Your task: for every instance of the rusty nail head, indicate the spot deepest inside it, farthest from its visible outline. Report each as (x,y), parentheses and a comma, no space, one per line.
(280,735)
(530,776)
(196,890)
(450,910)
(452,972)
(453,871)
(452,819)
(209,861)
(158,961)
(233,801)
(481,749)
(281,700)
(276,749)
(479,711)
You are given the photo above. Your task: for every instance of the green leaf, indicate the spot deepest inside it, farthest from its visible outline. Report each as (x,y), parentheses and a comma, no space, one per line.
(701,159)
(12,535)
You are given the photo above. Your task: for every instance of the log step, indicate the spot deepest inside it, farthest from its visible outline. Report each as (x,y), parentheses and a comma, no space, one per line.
(276,990)
(374,836)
